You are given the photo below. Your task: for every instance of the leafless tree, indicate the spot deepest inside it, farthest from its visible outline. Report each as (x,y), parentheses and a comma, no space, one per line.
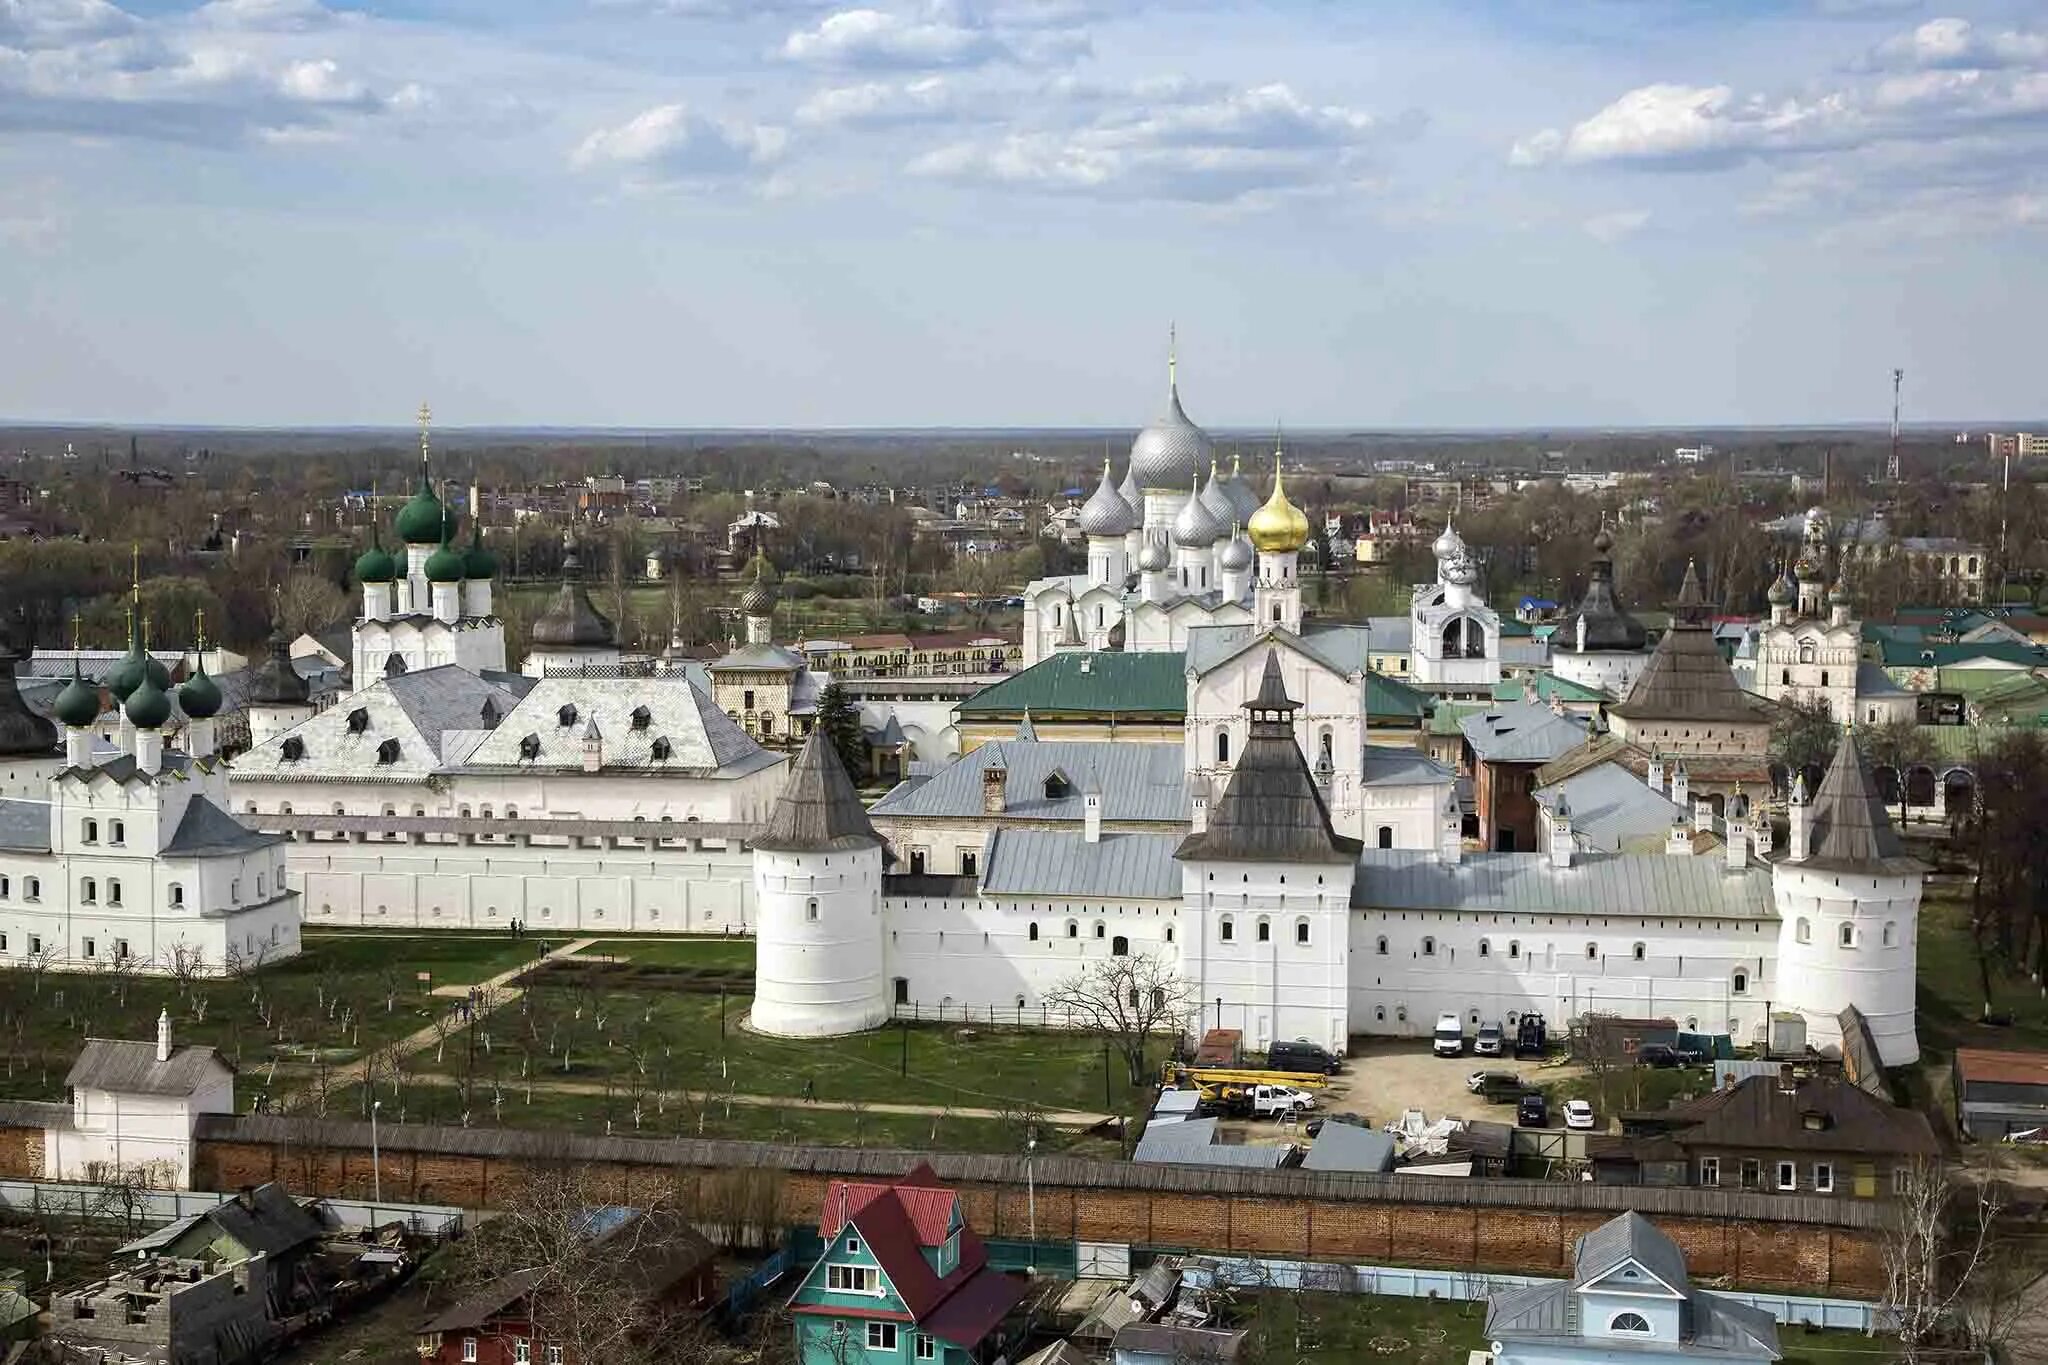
(306,602)
(1937,1244)
(1130,1000)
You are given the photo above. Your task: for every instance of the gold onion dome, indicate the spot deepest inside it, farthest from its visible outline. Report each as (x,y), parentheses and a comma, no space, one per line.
(1278,527)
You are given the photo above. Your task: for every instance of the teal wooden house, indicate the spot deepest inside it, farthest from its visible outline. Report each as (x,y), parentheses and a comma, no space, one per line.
(902,1279)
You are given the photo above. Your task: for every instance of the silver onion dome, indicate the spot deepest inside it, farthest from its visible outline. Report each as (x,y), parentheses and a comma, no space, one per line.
(1106,513)
(1196,527)
(1449,545)
(1169,454)
(1243,501)
(1154,557)
(1217,499)
(1460,570)
(1236,555)
(1782,590)
(1133,495)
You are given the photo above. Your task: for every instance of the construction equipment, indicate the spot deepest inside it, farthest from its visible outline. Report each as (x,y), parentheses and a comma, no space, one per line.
(1235,1090)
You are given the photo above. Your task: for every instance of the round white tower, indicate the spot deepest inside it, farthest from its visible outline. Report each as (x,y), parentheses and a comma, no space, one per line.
(818,898)
(1848,904)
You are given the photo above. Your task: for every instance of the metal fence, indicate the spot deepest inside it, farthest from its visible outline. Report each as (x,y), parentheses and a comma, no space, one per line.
(118,1204)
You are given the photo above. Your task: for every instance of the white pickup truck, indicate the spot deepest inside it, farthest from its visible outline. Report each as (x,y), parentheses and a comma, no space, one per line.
(1278,1101)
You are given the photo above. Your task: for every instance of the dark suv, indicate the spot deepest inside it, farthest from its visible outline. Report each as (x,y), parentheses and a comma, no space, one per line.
(1303,1059)
(1533,1111)
(1665,1055)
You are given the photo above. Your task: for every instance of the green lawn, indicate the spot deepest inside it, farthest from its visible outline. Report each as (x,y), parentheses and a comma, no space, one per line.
(1630,1088)
(676,952)
(673,1040)
(345,994)
(1951,983)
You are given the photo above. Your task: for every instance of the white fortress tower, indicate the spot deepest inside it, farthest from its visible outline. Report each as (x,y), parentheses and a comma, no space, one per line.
(818,898)
(1849,911)
(1456,636)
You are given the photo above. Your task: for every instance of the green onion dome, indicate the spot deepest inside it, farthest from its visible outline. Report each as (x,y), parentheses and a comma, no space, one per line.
(445,565)
(376,566)
(478,562)
(148,706)
(126,675)
(200,697)
(78,705)
(420,521)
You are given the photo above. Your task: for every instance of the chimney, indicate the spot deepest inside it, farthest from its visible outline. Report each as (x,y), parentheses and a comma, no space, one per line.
(1738,835)
(1681,785)
(1450,848)
(593,747)
(1561,834)
(1703,814)
(1655,776)
(163,1035)
(1678,843)
(1091,817)
(993,780)
(1728,1080)
(1800,835)
(1198,815)
(1787,1083)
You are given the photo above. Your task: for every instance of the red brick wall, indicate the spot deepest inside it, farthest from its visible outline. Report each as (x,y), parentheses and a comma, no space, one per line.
(21,1153)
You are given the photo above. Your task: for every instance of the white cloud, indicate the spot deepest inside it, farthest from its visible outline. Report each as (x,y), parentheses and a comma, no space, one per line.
(1676,123)
(28,24)
(1233,147)
(1956,43)
(940,36)
(1612,227)
(880,103)
(668,143)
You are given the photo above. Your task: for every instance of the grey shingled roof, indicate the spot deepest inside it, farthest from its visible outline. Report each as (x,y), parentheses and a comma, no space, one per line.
(1389,766)
(1873,681)
(1193,1142)
(1271,810)
(1686,677)
(25,826)
(131,1068)
(1060,862)
(1139,782)
(769,658)
(1851,831)
(1611,808)
(818,811)
(1523,732)
(1624,884)
(206,829)
(702,739)
(1630,1237)
(435,714)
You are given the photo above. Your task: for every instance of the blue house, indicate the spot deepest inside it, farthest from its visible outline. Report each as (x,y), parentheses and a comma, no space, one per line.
(902,1279)
(1628,1300)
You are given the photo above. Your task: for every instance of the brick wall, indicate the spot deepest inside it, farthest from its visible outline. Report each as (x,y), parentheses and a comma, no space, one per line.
(756,1185)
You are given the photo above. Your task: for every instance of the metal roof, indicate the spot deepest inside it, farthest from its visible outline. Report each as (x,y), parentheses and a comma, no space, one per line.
(25,826)
(1349,1147)
(1630,1237)
(1192,1142)
(1387,765)
(131,1068)
(1060,862)
(1628,885)
(1139,782)
(1341,648)
(206,829)
(1611,807)
(702,739)
(1523,732)
(1104,682)
(433,713)
(1687,679)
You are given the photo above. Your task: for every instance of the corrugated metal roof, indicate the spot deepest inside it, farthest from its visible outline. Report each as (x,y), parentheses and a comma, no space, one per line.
(1523,732)
(1060,862)
(1192,1142)
(1349,1147)
(131,1068)
(1389,766)
(1611,807)
(1084,683)
(1623,884)
(1630,1237)
(1139,782)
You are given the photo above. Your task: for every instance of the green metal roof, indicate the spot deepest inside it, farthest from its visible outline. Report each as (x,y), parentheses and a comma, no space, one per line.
(1449,716)
(1924,654)
(1390,697)
(1090,683)
(1547,685)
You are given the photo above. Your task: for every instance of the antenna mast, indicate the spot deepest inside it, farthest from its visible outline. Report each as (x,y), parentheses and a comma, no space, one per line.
(1892,469)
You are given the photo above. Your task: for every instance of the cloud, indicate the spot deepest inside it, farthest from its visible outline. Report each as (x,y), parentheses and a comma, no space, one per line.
(1684,123)
(31,24)
(669,144)
(1613,227)
(1863,9)
(1953,44)
(1234,147)
(883,103)
(939,37)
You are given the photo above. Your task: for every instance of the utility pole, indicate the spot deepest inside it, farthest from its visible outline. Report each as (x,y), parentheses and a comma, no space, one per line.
(1892,469)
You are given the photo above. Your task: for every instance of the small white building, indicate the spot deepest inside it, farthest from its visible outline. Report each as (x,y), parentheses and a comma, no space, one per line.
(134,1107)
(1455,635)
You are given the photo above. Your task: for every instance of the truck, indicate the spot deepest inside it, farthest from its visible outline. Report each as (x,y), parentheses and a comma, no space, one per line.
(1237,1091)
(1496,1087)
(1449,1038)
(1279,1101)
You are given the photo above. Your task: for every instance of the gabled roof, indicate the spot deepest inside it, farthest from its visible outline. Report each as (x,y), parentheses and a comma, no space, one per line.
(818,810)
(1611,808)
(1851,831)
(437,716)
(1523,732)
(1139,782)
(206,830)
(1105,682)
(1061,862)
(127,1067)
(1759,1112)
(1271,810)
(1631,1237)
(702,740)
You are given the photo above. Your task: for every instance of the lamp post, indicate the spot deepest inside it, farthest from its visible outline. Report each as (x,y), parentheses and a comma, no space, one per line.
(1031,1195)
(376,1165)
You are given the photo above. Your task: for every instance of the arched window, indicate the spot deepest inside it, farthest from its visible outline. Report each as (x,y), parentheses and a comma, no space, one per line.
(1806,651)
(1891,934)
(1265,930)
(1428,946)
(1381,945)
(1386,836)
(1485,948)
(1223,746)
(1033,934)
(1592,951)
(117,833)
(1073,929)
(1739,984)
(811,908)
(1639,951)
(113,891)
(1514,950)
(177,895)
(1803,930)
(1100,930)
(1847,936)
(88,890)
(1226,929)
(1119,946)
(1158,998)
(1629,1322)
(92,832)
(1301,933)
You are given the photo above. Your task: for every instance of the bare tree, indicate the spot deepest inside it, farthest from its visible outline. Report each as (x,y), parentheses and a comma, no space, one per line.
(1129,1000)
(306,602)
(1937,1244)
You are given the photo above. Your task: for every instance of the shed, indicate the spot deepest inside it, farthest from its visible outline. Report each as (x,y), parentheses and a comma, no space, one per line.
(1999,1094)
(1349,1147)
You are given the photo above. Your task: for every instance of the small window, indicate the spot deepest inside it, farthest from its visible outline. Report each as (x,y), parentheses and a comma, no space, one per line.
(91,832)
(1639,951)
(6,887)
(1847,936)
(1514,949)
(1803,930)
(1823,1177)
(1891,929)
(661,749)
(1033,934)
(88,891)
(853,1244)
(1739,984)
(358,722)
(1223,746)
(1629,1322)
(1485,948)
(554,1355)
(1592,951)
(468,1350)
(293,749)
(522,1351)
(1100,930)
(1073,929)
(1227,930)
(388,751)
(1428,946)
(113,891)
(811,909)
(117,832)
(1380,945)
(88,948)
(1169,933)
(1265,931)
(1119,946)
(1710,1170)
(566,715)
(642,717)
(32,888)
(1301,933)
(881,1336)
(927,1349)
(1788,1175)
(1386,836)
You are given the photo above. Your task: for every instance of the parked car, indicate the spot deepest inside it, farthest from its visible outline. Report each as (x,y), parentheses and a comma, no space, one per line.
(1303,1057)
(1533,1111)
(1278,1101)
(1578,1114)
(1490,1039)
(1665,1055)
(1449,1040)
(1496,1087)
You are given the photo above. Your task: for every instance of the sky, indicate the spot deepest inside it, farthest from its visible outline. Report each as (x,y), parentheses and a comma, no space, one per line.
(988,213)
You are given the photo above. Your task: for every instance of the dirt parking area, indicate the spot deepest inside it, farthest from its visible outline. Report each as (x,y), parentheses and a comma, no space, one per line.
(1385,1076)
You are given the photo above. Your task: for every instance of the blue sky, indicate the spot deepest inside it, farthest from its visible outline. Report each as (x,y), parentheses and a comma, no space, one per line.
(987,212)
